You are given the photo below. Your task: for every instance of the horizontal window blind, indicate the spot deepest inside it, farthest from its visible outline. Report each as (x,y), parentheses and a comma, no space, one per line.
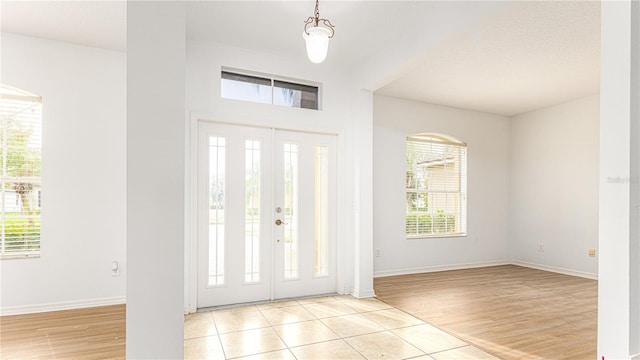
(435,186)
(20,157)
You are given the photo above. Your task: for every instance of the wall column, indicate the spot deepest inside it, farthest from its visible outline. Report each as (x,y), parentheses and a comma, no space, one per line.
(363,195)
(155,179)
(619,216)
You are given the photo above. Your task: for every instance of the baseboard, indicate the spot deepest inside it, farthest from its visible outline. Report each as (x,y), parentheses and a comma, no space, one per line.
(635,357)
(558,270)
(363,294)
(79,304)
(438,268)
(64,305)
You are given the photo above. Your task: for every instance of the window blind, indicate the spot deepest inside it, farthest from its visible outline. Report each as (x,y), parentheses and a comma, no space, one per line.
(435,186)
(20,157)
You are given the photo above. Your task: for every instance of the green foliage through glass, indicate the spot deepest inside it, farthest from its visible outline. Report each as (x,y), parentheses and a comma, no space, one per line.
(20,163)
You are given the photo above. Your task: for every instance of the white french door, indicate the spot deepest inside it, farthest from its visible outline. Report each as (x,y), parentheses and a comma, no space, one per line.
(304,196)
(234,224)
(266,214)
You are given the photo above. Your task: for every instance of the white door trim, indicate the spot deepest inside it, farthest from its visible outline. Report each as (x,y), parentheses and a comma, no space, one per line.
(191,203)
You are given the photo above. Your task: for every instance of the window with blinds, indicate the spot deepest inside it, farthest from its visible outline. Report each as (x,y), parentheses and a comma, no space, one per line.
(436,186)
(20,156)
(268,90)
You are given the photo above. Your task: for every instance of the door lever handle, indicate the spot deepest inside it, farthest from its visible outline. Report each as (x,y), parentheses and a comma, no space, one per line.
(280,222)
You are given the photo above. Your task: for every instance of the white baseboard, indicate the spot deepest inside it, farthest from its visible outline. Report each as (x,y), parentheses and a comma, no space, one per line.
(79,304)
(363,294)
(345,291)
(437,268)
(558,270)
(635,357)
(65,305)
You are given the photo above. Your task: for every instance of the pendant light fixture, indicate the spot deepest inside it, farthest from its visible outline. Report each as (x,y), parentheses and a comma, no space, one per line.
(317,36)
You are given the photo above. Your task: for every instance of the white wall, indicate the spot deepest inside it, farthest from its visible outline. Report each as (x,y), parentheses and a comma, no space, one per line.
(487,138)
(83,175)
(618,291)
(155,179)
(342,113)
(554,186)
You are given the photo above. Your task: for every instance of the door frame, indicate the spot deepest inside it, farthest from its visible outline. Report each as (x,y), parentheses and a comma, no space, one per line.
(191,201)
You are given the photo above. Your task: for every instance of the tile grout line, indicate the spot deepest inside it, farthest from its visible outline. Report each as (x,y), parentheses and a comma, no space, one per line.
(446,332)
(321,322)
(224,353)
(338,335)
(455,348)
(278,335)
(384,328)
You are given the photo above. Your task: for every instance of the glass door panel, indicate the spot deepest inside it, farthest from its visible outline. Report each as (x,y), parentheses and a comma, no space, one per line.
(252,192)
(290,211)
(234,198)
(321,264)
(305,188)
(216,210)
(266,214)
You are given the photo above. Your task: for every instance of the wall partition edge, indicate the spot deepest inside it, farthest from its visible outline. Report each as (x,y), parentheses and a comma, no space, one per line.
(156,70)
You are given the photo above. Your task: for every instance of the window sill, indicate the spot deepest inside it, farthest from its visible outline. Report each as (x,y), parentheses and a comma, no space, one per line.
(437,236)
(19,256)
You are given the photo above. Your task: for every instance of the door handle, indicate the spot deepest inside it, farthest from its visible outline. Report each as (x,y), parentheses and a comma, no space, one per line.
(280,222)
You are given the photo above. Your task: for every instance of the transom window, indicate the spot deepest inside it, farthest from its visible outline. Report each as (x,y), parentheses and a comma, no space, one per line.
(436,186)
(20,155)
(267,90)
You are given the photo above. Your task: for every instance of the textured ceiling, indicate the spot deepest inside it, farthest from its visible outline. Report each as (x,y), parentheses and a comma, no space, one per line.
(534,55)
(522,56)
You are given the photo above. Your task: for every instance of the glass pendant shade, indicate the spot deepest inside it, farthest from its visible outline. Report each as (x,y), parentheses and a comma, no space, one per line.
(317,43)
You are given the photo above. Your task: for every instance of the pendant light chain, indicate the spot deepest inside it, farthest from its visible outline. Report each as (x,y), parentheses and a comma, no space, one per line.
(315,20)
(317,12)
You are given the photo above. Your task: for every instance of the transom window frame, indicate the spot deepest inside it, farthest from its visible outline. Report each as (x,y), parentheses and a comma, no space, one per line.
(22,111)
(270,84)
(438,221)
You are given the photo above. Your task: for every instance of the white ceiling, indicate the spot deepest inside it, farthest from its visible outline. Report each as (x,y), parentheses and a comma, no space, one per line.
(534,55)
(100,24)
(362,27)
(525,56)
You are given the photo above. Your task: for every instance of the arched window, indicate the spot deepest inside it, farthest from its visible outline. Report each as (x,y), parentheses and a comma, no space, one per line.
(436,186)
(20,157)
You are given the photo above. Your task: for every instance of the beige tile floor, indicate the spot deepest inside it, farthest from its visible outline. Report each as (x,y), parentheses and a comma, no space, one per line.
(328,327)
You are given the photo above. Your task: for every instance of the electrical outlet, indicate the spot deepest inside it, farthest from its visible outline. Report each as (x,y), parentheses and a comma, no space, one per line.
(592,252)
(541,247)
(377,252)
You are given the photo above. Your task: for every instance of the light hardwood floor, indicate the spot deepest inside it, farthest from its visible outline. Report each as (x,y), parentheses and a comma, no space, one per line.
(509,311)
(93,333)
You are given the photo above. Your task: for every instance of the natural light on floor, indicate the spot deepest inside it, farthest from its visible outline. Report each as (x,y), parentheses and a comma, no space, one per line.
(327,327)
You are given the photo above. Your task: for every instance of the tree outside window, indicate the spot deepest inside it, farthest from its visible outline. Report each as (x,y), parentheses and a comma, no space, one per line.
(435,182)
(20,157)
